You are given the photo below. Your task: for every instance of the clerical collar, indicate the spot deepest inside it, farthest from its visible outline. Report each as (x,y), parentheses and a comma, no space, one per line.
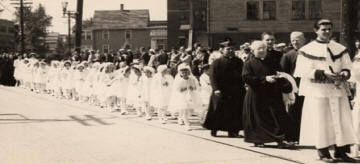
(320,41)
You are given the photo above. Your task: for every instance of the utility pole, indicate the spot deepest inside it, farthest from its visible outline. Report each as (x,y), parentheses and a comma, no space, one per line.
(22,42)
(21,4)
(191,23)
(69,30)
(79,25)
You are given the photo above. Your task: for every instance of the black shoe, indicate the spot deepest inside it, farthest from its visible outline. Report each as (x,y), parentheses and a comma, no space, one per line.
(340,153)
(213,133)
(325,156)
(233,134)
(344,157)
(285,145)
(260,145)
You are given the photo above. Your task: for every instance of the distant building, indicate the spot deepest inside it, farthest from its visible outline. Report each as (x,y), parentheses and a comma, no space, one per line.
(179,22)
(158,34)
(52,41)
(245,20)
(7,35)
(116,29)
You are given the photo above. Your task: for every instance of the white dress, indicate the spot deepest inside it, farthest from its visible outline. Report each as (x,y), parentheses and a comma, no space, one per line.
(206,88)
(185,95)
(326,118)
(134,91)
(161,90)
(145,83)
(120,84)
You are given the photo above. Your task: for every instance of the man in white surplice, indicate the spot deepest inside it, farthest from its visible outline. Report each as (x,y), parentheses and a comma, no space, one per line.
(324,66)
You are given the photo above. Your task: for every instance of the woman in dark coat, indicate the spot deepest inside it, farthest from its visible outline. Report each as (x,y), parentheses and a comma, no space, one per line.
(264,116)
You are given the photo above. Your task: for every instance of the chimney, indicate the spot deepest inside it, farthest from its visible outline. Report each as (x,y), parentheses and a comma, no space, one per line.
(121,7)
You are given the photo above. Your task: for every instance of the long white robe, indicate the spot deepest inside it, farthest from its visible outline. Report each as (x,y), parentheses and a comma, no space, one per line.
(326,118)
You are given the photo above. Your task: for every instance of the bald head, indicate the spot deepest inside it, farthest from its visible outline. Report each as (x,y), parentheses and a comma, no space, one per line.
(297,39)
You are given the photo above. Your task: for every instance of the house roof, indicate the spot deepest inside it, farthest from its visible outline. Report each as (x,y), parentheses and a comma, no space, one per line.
(121,19)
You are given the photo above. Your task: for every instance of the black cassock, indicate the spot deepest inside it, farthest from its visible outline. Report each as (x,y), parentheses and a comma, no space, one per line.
(225,111)
(265,118)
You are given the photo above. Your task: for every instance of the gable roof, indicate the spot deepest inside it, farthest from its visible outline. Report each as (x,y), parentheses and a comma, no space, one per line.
(121,19)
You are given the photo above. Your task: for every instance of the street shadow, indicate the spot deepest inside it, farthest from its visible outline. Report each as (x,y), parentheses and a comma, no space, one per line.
(14,118)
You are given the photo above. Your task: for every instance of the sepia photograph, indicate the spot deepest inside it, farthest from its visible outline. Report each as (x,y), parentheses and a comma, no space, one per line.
(179,81)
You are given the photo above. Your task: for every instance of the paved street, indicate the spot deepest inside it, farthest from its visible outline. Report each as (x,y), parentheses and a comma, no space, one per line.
(38,129)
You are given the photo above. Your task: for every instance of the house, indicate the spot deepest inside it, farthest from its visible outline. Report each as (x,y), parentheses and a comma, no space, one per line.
(158,34)
(116,29)
(245,20)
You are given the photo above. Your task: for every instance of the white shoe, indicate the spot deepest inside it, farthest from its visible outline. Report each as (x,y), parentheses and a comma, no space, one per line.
(188,128)
(180,121)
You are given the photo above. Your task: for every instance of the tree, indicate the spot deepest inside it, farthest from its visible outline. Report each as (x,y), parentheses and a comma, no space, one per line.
(85,24)
(36,23)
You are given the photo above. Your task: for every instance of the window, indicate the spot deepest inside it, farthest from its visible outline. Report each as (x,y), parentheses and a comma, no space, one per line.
(106,48)
(314,9)
(183,4)
(269,10)
(298,9)
(3,29)
(200,20)
(184,19)
(11,30)
(127,35)
(252,10)
(106,35)
(83,35)
(88,35)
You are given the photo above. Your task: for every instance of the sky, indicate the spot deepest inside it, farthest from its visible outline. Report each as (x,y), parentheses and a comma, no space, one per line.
(59,23)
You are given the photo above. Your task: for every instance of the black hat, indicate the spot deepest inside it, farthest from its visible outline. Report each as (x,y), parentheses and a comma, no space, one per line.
(227,44)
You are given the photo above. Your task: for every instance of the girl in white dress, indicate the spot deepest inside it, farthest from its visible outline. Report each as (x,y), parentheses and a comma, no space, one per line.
(42,77)
(145,81)
(206,91)
(133,97)
(109,97)
(34,76)
(185,95)
(90,82)
(161,90)
(120,86)
(79,81)
(66,80)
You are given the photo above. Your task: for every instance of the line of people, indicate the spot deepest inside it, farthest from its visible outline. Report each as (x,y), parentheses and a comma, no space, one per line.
(300,97)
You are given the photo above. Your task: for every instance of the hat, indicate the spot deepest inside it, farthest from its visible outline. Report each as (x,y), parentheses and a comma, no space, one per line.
(151,50)
(151,69)
(188,50)
(67,61)
(136,66)
(161,68)
(227,44)
(281,45)
(80,65)
(183,66)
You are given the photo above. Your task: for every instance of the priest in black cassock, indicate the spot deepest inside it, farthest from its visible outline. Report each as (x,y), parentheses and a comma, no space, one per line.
(265,117)
(272,55)
(225,108)
(288,63)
